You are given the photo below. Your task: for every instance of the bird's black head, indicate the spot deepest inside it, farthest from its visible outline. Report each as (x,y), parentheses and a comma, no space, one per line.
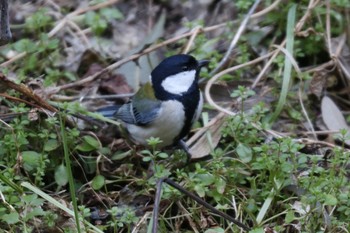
(176,75)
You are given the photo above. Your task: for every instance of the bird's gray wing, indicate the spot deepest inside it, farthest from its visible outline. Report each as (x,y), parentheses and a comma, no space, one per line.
(109,111)
(141,112)
(143,108)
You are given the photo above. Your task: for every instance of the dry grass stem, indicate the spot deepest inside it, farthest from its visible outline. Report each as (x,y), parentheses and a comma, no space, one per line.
(235,39)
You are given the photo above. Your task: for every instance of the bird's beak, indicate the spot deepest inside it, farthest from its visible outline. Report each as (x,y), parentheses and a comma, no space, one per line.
(203,63)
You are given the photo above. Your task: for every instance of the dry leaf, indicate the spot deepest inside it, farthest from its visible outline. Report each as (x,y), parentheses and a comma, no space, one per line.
(332,116)
(202,147)
(318,82)
(33,114)
(301,208)
(115,84)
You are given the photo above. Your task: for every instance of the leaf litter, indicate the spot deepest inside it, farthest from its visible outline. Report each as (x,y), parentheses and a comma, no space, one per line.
(141,26)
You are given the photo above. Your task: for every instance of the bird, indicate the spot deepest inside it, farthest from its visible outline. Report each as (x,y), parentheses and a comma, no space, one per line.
(167,105)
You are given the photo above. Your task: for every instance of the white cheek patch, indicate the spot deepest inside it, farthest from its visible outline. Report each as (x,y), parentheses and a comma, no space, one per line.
(179,83)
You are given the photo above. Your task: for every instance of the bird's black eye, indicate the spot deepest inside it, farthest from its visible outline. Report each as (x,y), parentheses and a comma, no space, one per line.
(184,68)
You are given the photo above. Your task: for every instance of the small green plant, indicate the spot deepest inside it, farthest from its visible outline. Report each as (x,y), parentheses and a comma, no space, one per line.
(122,217)
(155,157)
(31,210)
(244,93)
(38,22)
(153,154)
(243,5)
(267,181)
(98,21)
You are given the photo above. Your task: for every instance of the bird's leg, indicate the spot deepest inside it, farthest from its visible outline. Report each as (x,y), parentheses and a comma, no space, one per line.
(183,146)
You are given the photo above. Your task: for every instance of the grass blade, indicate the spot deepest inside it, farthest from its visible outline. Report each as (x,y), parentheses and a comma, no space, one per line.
(265,207)
(287,63)
(10,183)
(55,203)
(70,175)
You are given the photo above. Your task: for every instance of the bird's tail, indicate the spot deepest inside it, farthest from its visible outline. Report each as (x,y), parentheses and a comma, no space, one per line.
(108,111)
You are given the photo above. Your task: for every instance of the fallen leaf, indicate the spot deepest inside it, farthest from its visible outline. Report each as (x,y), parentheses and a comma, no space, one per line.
(332,116)
(115,84)
(201,147)
(301,208)
(318,82)
(90,62)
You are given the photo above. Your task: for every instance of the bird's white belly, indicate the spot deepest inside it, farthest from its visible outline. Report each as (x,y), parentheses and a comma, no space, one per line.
(166,126)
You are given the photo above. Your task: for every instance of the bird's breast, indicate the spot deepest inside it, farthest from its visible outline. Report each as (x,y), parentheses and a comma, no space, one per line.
(167,125)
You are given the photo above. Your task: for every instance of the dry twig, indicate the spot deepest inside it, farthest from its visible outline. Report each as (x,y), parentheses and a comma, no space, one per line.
(236,38)
(27,92)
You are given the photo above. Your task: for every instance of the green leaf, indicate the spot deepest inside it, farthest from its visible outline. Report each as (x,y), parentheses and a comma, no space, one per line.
(220,185)
(265,207)
(56,203)
(53,44)
(287,72)
(245,153)
(121,155)
(35,200)
(92,141)
(330,200)
(289,216)
(96,22)
(105,150)
(199,190)
(38,20)
(84,147)
(215,230)
(51,145)
(37,211)
(146,152)
(10,183)
(30,160)
(163,155)
(89,144)
(90,17)
(11,218)
(29,198)
(147,159)
(25,45)
(61,175)
(98,182)
(257,230)
(206,179)
(111,13)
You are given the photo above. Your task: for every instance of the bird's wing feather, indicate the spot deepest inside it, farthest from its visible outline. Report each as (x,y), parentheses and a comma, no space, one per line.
(142,109)
(108,111)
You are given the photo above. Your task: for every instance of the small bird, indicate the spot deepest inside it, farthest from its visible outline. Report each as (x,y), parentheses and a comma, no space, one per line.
(167,106)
